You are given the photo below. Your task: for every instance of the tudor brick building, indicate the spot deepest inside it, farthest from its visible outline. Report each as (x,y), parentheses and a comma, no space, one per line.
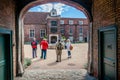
(104,24)
(54,27)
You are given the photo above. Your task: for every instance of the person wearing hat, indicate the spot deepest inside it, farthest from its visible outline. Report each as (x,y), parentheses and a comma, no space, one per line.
(44,47)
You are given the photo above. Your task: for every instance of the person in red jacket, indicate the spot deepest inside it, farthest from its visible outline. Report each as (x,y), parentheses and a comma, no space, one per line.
(44,47)
(34,47)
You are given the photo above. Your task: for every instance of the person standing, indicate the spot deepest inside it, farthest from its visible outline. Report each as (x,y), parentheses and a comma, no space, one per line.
(59,47)
(44,47)
(68,43)
(34,47)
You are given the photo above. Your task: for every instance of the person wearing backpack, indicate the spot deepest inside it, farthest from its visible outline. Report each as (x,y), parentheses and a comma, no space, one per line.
(59,47)
(34,47)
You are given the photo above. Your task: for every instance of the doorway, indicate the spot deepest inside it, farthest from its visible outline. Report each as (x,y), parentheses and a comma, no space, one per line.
(6,72)
(53,39)
(107,53)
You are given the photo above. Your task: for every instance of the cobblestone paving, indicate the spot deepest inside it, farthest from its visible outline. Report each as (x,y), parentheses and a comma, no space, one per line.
(54,74)
(48,69)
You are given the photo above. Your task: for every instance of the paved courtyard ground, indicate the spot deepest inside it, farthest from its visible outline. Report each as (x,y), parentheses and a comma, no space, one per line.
(78,60)
(49,69)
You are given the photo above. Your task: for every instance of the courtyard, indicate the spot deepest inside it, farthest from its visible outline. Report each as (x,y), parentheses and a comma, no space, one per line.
(48,69)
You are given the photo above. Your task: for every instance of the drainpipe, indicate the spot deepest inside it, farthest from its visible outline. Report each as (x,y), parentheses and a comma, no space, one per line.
(20,66)
(90,54)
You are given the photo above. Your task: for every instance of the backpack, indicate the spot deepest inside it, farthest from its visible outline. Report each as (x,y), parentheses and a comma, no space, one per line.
(59,46)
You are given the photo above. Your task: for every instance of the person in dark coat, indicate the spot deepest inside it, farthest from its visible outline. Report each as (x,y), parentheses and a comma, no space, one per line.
(34,47)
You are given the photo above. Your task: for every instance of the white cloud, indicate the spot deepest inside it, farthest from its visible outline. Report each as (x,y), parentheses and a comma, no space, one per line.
(58,6)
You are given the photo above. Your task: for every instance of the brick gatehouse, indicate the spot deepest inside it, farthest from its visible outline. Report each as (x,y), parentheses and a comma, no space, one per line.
(104,35)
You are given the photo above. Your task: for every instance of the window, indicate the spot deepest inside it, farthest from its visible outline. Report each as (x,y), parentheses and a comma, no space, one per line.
(61,21)
(80,22)
(32,33)
(81,38)
(70,31)
(81,31)
(53,29)
(42,33)
(53,23)
(70,21)
(62,31)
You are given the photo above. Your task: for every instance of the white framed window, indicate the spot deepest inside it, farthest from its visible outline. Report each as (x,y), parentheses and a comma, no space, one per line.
(71,38)
(70,21)
(81,31)
(31,33)
(42,33)
(80,22)
(70,31)
(61,21)
(81,38)
(62,31)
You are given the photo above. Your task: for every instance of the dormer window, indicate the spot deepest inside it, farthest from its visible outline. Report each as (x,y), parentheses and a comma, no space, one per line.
(53,12)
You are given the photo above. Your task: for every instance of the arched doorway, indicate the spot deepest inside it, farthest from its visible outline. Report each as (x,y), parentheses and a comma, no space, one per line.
(31,4)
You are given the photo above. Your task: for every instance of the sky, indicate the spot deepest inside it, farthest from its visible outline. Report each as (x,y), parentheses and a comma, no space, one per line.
(62,9)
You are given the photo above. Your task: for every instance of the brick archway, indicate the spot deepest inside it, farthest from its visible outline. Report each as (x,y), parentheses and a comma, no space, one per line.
(35,3)
(67,2)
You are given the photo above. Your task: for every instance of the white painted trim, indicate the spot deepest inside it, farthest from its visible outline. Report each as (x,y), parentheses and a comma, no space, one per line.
(50,35)
(40,32)
(29,33)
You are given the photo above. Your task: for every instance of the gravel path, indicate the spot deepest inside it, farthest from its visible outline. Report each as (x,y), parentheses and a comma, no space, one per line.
(54,74)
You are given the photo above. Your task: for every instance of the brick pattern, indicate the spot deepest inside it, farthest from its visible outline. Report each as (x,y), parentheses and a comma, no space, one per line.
(35,21)
(104,15)
(7,21)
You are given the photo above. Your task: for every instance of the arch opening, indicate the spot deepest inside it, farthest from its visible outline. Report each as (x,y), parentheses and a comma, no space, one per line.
(25,9)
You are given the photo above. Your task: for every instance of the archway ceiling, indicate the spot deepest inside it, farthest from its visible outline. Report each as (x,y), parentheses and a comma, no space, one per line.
(87,4)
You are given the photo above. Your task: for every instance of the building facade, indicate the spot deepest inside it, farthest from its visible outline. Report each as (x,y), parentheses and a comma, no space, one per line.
(53,27)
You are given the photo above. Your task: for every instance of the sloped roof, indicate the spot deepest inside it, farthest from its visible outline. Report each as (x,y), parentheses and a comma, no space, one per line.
(35,17)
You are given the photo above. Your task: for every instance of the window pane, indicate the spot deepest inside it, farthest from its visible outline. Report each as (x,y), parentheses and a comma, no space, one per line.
(61,21)
(53,29)
(70,21)
(80,22)
(32,33)
(53,23)
(62,31)
(42,33)
(80,30)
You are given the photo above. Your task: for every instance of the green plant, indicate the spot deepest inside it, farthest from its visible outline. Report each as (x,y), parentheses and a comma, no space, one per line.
(27,62)
(86,65)
(63,37)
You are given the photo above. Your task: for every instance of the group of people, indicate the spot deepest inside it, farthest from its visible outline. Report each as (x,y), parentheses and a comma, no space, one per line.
(44,46)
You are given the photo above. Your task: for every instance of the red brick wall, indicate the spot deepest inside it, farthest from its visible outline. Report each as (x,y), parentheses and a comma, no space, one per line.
(36,27)
(7,21)
(103,15)
(66,25)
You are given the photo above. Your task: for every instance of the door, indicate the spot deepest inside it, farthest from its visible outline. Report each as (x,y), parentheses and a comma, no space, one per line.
(3,73)
(108,54)
(6,66)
